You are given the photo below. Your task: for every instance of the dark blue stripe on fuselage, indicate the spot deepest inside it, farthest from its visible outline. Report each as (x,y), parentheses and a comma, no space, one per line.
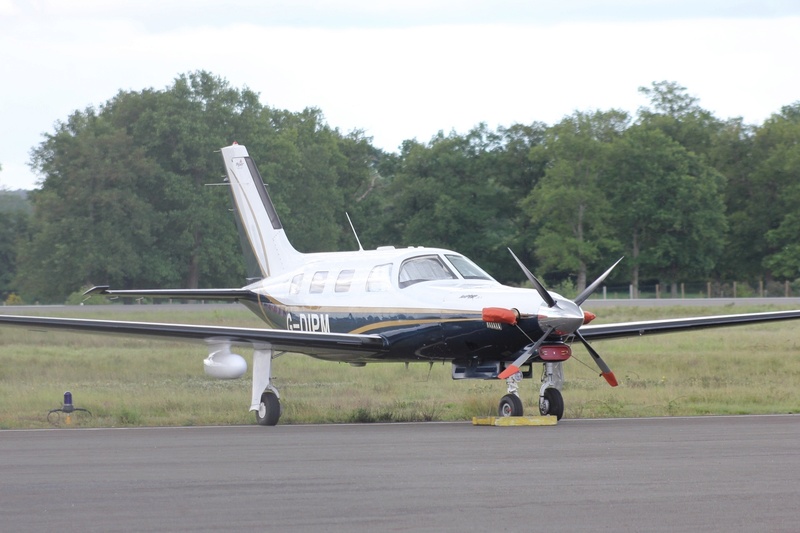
(410,337)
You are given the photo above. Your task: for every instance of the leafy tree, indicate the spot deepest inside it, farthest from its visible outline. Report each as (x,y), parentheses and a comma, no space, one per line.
(668,207)
(180,129)
(124,201)
(776,192)
(13,227)
(15,213)
(569,204)
(452,192)
(732,156)
(679,115)
(514,170)
(15,201)
(91,223)
(302,163)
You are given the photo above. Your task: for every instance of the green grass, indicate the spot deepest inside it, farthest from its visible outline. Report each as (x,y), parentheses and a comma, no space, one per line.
(143,382)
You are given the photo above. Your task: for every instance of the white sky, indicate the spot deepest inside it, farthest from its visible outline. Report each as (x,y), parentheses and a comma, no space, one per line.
(397,69)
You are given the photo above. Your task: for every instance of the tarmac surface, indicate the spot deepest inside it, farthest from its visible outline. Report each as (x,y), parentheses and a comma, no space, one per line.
(665,474)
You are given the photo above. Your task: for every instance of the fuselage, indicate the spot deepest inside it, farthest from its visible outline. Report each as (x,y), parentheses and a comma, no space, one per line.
(427,302)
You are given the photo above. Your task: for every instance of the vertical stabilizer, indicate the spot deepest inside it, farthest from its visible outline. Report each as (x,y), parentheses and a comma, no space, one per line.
(270,253)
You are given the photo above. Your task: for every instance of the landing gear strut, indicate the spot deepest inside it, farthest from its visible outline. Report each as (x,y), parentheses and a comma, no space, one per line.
(510,404)
(550,400)
(265,400)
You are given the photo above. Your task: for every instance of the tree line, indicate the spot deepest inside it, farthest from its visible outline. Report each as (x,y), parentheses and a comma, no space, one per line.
(125,196)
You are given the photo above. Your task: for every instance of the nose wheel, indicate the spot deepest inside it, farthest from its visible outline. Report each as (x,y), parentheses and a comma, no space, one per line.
(510,405)
(550,400)
(552,403)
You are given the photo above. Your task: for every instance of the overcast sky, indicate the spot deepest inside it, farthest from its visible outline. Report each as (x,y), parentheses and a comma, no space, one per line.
(397,69)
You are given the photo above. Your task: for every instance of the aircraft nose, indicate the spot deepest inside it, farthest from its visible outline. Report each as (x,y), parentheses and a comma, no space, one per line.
(565,317)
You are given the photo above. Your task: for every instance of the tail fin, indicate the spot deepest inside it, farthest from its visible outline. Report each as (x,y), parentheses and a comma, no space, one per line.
(266,247)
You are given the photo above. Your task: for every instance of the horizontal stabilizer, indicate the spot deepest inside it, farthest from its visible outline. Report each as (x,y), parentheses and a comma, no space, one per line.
(175,294)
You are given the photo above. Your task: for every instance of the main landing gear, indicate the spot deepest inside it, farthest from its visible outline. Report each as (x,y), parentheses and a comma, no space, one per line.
(550,400)
(265,401)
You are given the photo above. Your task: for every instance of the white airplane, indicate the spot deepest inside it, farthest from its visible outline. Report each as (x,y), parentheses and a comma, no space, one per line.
(391,304)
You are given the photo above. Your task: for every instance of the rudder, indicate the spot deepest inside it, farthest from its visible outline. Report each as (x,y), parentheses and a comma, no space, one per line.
(268,251)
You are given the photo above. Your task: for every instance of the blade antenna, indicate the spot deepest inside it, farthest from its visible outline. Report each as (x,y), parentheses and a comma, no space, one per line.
(360,248)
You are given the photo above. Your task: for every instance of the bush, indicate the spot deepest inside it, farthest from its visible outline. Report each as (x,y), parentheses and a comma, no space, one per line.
(13,299)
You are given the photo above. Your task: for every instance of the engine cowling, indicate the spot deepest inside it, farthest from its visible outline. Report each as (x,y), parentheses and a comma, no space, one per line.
(224,364)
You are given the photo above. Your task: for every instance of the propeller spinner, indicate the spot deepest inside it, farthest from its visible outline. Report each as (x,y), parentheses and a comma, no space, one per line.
(563,317)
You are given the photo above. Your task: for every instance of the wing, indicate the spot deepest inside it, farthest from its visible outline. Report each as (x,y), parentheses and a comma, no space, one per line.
(672,325)
(334,346)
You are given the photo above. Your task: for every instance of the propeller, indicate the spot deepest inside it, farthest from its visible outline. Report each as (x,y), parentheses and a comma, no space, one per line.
(588,291)
(529,350)
(604,369)
(548,299)
(564,317)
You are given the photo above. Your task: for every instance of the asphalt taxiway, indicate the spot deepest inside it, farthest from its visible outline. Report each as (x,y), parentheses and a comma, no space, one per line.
(665,474)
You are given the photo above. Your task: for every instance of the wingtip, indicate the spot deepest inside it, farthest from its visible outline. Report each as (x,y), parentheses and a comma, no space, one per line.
(97,289)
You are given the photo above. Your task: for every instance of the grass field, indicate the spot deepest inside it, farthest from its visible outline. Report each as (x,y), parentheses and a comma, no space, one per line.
(143,382)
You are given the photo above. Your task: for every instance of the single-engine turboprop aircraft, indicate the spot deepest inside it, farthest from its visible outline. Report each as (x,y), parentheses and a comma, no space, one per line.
(386,305)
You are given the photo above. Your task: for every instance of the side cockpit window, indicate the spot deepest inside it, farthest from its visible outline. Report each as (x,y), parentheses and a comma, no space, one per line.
(467,268)
(379,279)
(423,268)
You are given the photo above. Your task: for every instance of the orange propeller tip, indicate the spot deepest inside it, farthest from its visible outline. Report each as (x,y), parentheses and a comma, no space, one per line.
(611,378)
(508,372)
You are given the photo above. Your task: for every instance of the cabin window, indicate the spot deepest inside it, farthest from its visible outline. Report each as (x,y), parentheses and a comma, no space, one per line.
(318,281)
(344,280)
(423,268)
(379,279)
(467,268)
(294,288)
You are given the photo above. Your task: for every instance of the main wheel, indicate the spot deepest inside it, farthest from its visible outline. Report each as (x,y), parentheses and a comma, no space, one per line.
(510,405)
(269,410)
(555,403)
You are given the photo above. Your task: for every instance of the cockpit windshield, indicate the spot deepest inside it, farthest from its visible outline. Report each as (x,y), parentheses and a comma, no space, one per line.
(467,268)
(423,268)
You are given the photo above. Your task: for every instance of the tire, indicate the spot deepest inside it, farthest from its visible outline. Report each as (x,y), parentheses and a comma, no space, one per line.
(510,405)
(269,411)
(555,403)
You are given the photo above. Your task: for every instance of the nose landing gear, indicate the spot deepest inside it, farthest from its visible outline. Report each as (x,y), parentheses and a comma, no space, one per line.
(510,404)
(550,400)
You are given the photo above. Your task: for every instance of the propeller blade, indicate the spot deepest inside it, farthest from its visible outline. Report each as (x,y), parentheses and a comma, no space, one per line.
(604,369)
(513,368)
(582,297)
(536,283)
